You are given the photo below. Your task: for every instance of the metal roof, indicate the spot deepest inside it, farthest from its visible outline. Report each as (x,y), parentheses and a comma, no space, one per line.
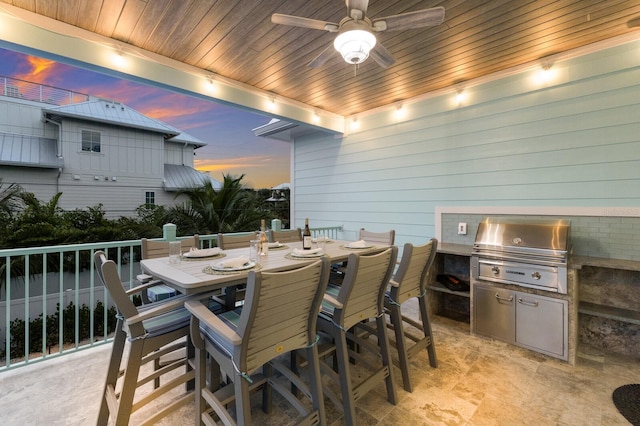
(111,113)
(178,177)
(184,137)
(32,151)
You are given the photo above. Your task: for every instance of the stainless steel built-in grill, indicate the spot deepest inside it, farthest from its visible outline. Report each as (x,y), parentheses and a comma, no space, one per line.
(512,260)
(529,253)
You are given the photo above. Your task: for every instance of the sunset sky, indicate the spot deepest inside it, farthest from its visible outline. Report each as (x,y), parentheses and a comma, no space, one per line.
(232,148)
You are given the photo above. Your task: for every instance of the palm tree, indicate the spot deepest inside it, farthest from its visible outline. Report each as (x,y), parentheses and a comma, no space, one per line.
(233,208)
(10,199)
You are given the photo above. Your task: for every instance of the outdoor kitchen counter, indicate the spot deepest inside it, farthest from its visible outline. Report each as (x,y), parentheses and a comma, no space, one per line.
(609,289)
(605,292)
(458,249)
(601,262)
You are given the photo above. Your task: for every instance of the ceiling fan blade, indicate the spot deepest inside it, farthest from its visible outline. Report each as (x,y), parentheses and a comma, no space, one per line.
(382,56)
(323,57)
(298,21)
(360,5)
(409,20)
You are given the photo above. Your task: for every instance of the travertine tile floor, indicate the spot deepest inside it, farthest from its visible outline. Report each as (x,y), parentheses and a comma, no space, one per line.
(478,382)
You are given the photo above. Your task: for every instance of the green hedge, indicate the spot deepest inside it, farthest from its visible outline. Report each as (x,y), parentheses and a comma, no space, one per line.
(17,329)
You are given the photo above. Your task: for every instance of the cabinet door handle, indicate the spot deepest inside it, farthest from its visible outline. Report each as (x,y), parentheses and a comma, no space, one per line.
(504,299)
(534,304)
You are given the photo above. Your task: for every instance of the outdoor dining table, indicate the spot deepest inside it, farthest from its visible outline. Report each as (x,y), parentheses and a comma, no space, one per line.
(195,276)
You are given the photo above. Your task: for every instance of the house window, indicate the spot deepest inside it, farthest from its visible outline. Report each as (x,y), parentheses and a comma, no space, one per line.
(90,141)
(150,197)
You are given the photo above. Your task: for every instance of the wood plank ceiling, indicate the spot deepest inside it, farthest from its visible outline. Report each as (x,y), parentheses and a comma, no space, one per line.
(236,39)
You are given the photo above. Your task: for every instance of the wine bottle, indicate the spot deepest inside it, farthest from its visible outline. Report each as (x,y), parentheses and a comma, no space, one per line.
(264,240)
(306,236)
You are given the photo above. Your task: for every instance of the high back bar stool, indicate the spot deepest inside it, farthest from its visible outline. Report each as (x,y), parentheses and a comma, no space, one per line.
(360,297)
(152,249)
(235,294)
(409,282)
(231,241)
(285,236)
(279,316)
(147,333)
(387,238)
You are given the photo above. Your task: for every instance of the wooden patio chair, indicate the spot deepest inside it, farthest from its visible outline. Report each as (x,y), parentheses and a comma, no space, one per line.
(147,333)
(410,281)
(387,238)
(231,241)
(285,235)
(361,296)
(279,316)
(152,249)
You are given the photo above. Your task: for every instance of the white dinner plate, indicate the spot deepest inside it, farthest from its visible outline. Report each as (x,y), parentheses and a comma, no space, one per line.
(247,265)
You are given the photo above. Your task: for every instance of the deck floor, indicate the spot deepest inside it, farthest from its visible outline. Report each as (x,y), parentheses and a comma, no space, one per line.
(478,382)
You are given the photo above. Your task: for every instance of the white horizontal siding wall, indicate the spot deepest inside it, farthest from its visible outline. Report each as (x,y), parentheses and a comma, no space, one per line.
(18,116)
(574,141)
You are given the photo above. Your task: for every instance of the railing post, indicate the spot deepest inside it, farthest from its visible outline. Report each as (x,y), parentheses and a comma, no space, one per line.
(169,232)
(276,224)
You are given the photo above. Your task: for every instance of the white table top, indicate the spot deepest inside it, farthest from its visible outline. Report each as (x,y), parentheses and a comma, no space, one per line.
(188,276)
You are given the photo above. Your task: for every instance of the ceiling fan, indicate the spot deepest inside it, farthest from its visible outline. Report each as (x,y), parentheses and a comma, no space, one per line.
(356,39)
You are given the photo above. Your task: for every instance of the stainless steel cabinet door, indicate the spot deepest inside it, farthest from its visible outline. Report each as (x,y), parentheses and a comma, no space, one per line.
(494,313)
(541,324)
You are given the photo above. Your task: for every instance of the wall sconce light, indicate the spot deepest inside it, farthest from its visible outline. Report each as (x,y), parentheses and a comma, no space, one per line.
(211,85)
(118,58)
(355,124)
(460,96)
(316,117)
(400,112)
(545,75)
(271,104)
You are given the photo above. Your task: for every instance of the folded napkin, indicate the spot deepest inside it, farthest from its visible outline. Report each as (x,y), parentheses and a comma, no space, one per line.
(358,244)
(195,252)
(302,252)
(276,244)
(236,262)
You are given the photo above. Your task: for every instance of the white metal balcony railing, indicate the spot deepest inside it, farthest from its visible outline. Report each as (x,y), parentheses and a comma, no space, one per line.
(58,285)
(21,89)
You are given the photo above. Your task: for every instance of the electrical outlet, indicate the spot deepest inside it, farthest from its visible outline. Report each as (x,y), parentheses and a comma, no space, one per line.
(462,228)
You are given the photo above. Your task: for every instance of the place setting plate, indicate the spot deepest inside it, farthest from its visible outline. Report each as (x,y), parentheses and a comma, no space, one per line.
(301,256)
(250,264)
(221,269)
(203,254)
(359,247)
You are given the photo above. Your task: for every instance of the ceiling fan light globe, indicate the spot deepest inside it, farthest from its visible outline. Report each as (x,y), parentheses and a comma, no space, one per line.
(354,45)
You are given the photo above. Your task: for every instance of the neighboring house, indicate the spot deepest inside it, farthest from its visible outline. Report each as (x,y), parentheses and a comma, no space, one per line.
(93,151)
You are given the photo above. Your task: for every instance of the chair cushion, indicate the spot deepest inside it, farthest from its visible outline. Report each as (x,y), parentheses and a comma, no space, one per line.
(166,322)
(230,318)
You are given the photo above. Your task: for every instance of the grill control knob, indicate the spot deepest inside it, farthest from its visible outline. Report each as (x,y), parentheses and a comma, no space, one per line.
(495,270)
(536,275)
